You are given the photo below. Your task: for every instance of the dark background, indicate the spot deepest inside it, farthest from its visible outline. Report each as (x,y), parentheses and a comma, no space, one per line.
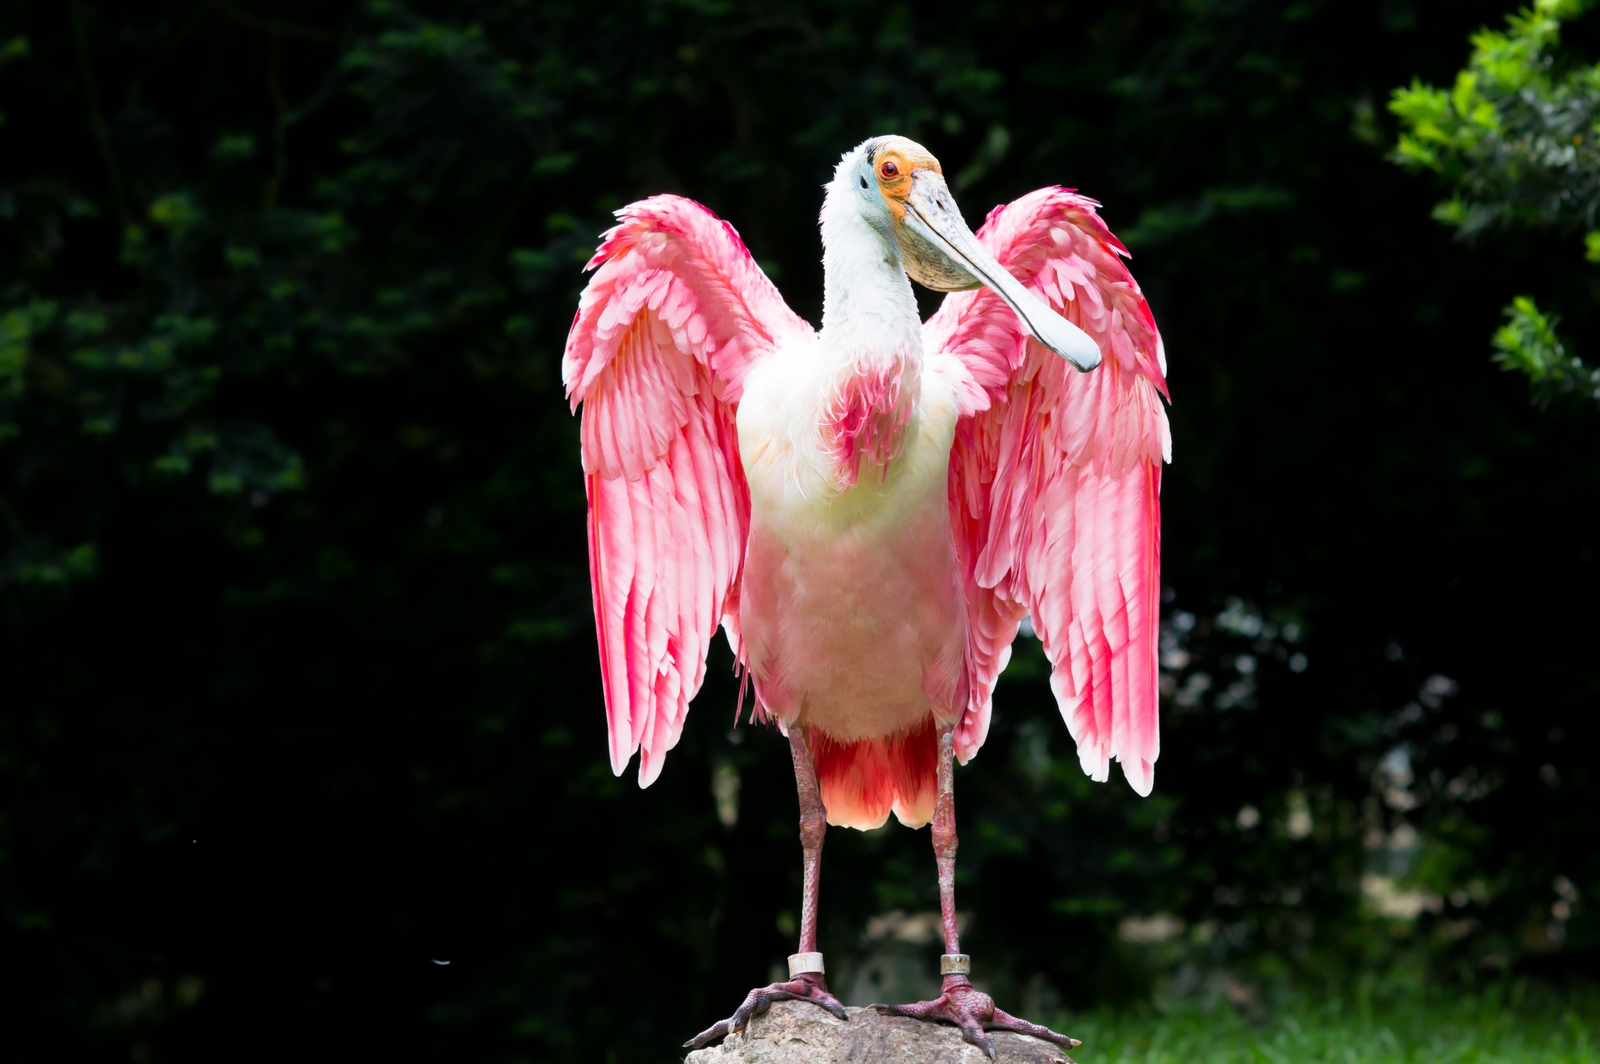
(298,689)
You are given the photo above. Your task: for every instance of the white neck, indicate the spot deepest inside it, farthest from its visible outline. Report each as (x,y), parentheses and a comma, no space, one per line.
(868,310)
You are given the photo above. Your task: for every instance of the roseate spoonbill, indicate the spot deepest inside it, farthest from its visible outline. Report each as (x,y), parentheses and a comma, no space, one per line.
(870,510)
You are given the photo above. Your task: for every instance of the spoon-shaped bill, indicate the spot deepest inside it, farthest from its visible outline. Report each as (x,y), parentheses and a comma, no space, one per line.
(932,217)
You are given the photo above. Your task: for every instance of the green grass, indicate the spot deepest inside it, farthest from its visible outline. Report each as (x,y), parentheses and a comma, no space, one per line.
(1498,1026)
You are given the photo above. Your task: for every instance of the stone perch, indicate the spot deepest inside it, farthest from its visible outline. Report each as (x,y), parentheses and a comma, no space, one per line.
(798,1032)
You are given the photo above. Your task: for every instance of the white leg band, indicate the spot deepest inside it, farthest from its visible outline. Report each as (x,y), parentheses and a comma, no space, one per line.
(803,963)
(955,964)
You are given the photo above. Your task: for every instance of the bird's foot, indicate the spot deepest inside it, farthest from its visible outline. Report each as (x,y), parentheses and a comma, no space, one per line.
(974,1012)
(809,986)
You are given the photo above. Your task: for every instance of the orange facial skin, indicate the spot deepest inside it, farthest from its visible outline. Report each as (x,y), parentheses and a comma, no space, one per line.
(893,163)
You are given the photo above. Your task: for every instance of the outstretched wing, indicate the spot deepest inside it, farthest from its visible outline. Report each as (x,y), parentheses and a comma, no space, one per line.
(666,330)
(1055,480)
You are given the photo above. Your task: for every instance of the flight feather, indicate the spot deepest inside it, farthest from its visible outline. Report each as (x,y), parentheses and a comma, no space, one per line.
(675,315)
(1055,478)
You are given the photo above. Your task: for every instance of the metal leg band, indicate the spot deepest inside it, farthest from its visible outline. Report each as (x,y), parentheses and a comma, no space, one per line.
(804,963)
(955,964)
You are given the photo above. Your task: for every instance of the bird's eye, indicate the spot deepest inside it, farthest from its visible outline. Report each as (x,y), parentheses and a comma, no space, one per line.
(889,170)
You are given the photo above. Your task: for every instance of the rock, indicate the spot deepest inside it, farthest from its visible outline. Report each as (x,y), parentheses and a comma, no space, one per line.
(798,1032)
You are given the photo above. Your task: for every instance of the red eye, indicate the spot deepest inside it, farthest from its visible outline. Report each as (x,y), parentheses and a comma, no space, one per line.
(889,170)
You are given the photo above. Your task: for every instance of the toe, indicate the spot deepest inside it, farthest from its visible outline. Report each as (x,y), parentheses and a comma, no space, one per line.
(715,1031)
(761,999)
(754,1005)
(971,1032)
(1004,1021)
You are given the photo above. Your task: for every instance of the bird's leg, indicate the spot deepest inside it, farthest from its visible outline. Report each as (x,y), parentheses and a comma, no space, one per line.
(960,1003)
(945,841)
(805,967)
(813,830)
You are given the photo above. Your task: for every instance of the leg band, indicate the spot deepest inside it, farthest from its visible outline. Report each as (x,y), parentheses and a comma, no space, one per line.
(955,964)
(803,963)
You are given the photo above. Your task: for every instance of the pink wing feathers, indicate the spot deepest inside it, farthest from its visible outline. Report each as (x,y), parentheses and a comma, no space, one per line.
(1055,479)
(665,332)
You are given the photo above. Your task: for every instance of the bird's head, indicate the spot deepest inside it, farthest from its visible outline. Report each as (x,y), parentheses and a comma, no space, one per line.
(900,190)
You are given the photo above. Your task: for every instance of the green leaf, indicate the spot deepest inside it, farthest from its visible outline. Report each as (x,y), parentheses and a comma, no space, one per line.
(1527,343)
(177,212)
(1508,137)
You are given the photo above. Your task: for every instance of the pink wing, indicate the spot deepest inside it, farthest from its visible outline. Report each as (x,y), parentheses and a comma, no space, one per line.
(1055,480)
(666,330)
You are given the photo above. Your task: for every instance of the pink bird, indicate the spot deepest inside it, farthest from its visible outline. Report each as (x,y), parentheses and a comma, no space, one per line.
(869,511)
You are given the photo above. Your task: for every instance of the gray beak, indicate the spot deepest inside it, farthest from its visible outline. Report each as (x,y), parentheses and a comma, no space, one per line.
(934,224)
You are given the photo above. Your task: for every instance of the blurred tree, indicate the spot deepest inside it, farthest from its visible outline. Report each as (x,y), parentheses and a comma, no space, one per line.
(299,698)
(1517,138)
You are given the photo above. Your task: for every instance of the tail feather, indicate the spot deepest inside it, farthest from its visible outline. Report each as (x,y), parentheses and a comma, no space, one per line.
(864,781)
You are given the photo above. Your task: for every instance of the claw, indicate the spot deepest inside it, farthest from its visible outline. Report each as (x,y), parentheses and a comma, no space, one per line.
(972,1033)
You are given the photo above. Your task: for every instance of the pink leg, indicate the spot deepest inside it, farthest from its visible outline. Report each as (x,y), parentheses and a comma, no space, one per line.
(809,986)
(944,838)
(969,1009)
(813,830)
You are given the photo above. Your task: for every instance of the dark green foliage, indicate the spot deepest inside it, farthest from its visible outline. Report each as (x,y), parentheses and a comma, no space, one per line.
(1517,140)
(1515,135)
(1527,343)
(300,693)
